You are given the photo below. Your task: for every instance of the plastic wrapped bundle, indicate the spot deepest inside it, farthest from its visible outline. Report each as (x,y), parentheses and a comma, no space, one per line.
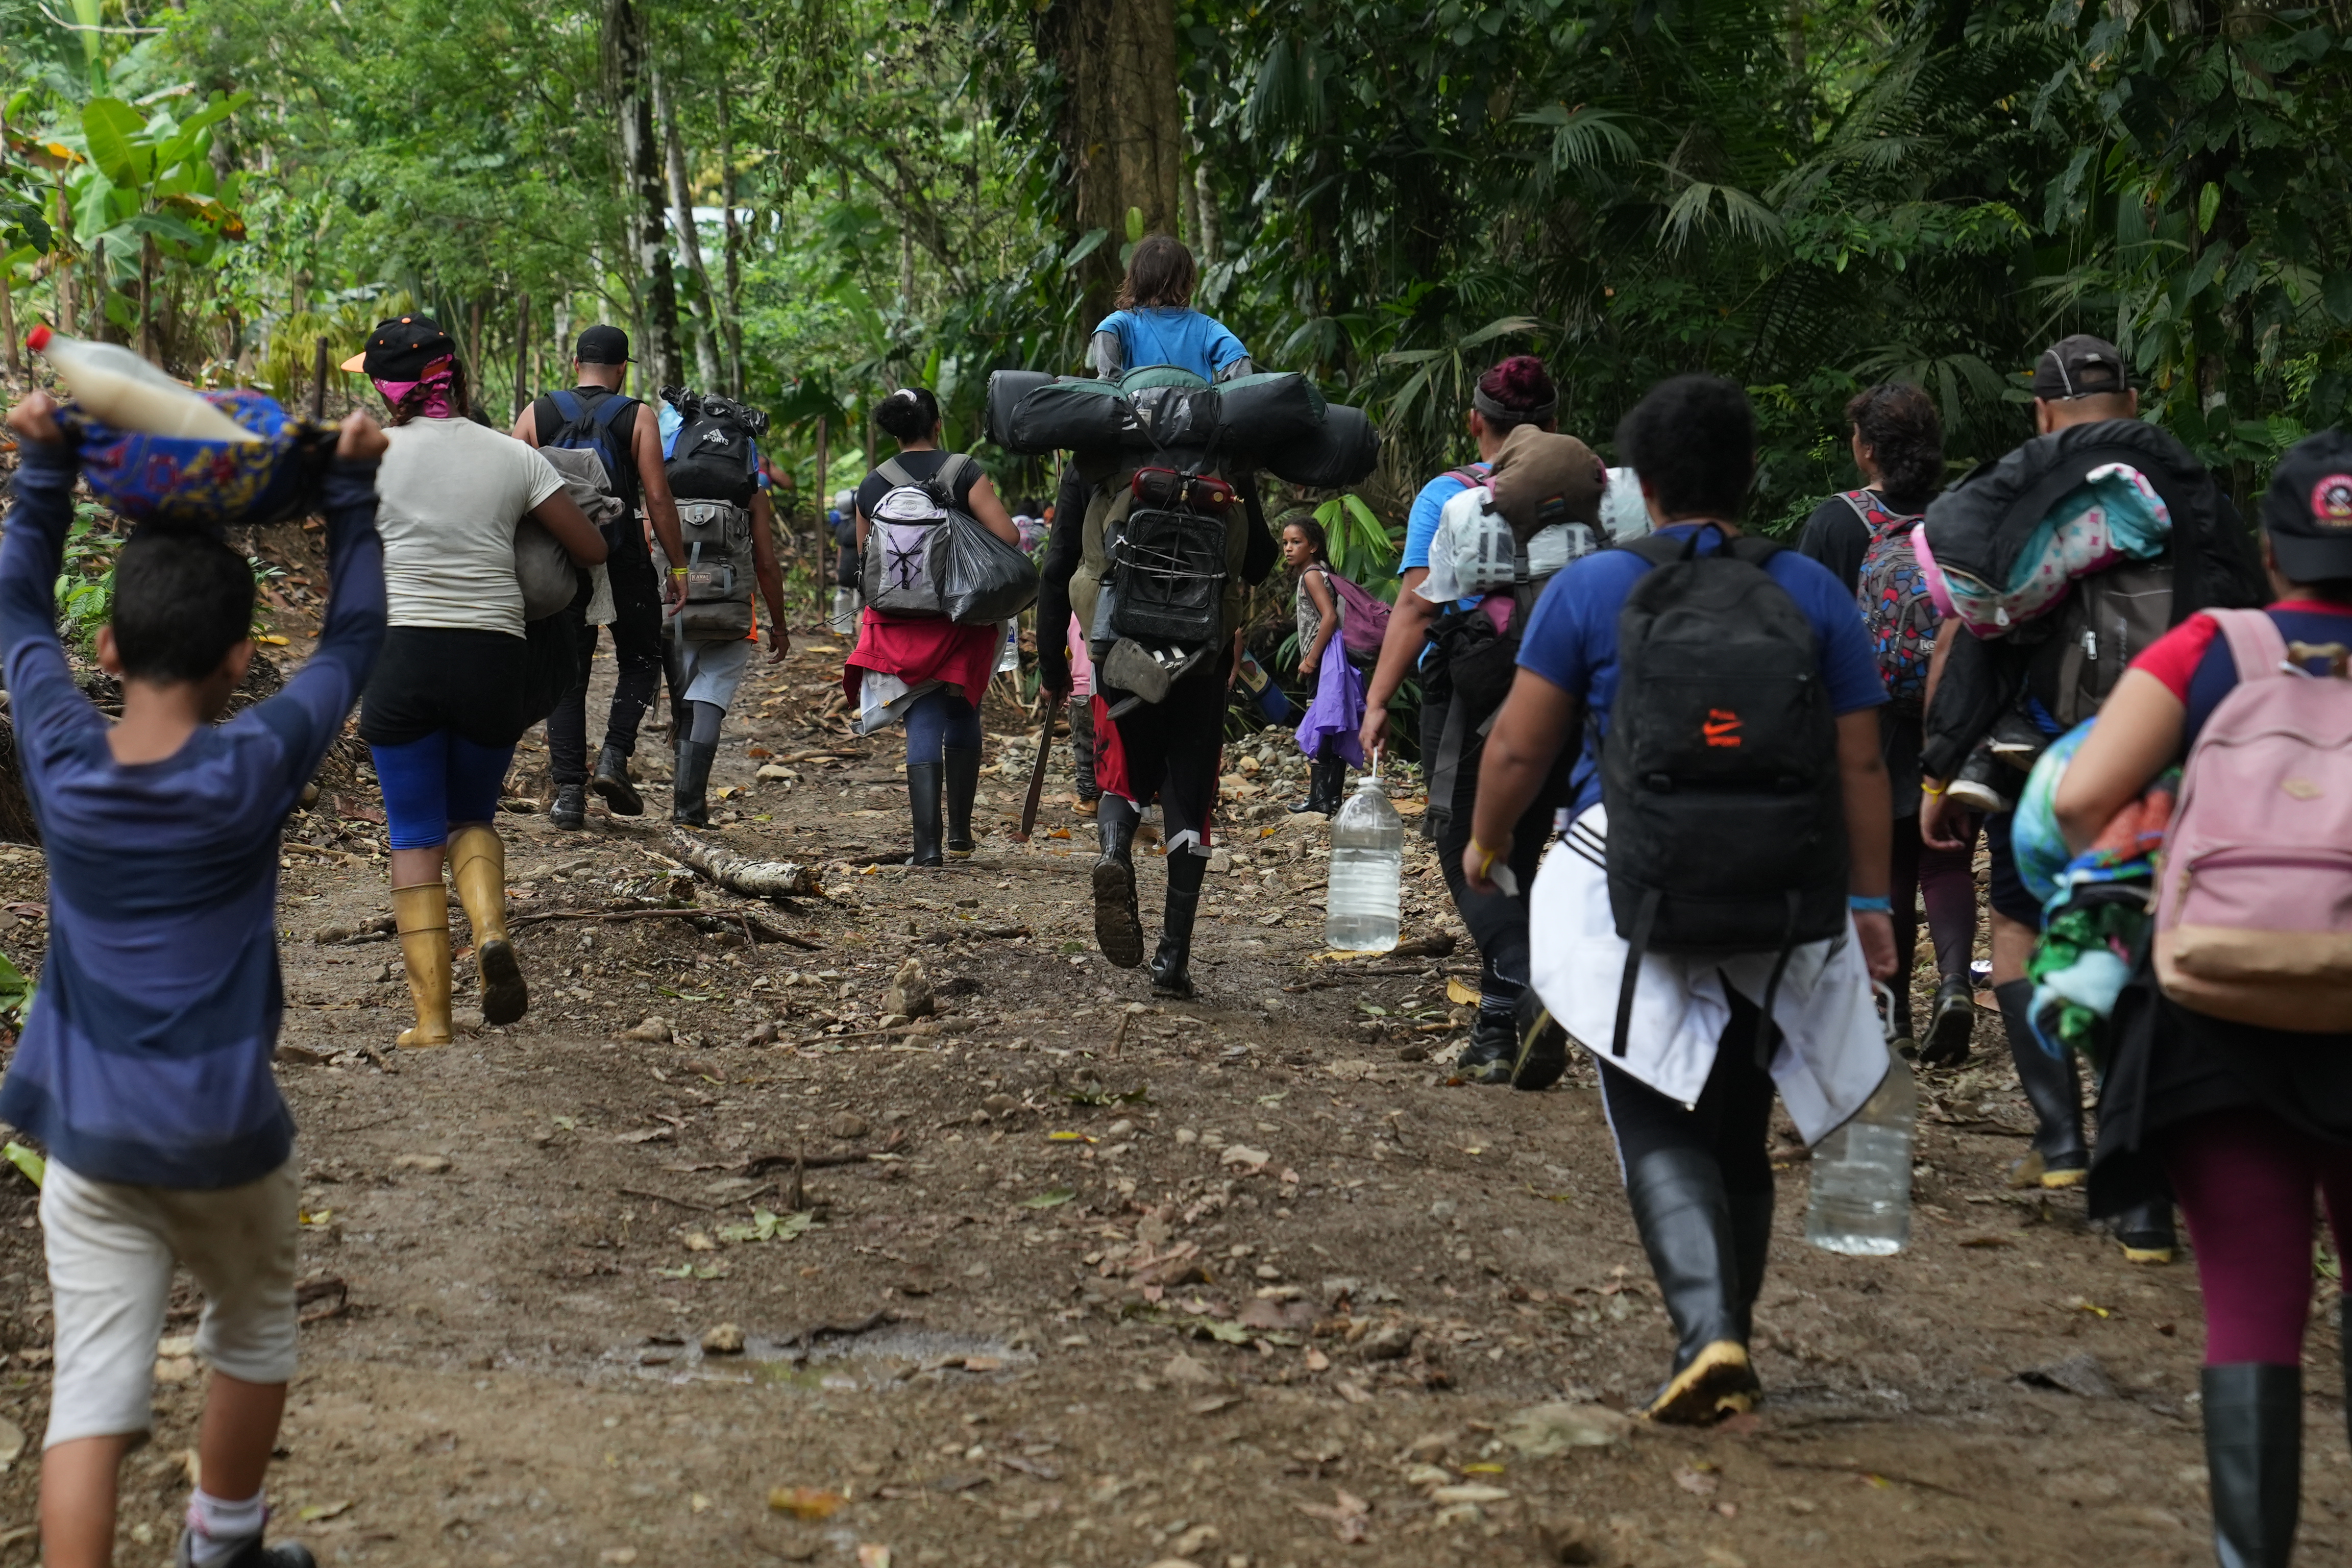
(1341,450)
(1006,389)
(1153,409)
(193,483)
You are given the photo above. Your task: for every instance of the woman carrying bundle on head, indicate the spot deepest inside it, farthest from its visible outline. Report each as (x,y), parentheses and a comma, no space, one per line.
(451,694)
(926,671)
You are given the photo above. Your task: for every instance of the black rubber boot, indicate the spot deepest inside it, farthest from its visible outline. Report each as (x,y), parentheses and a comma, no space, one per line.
(1172,966)
(1492,1049)
(570,811)
(1951,1021)
(2059,1157)
(612,781)
(1685,1222)
(923,781)
(2254,1453)
(1326,783)
(963,772)
(1538,1045)
(1751,1246)
(690,783)
(2145,1231)
(1119,922)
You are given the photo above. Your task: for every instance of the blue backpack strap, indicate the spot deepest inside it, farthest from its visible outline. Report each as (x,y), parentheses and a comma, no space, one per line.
(567,403)
(610,408)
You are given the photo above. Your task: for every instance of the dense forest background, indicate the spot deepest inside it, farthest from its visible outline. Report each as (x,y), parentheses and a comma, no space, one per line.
(814,201)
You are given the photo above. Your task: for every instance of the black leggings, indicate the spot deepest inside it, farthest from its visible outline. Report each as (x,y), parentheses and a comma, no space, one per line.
(1729,1124)
(636,644)
(1498,922)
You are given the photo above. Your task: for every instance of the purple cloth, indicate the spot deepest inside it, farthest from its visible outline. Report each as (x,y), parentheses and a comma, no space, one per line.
(1338,711)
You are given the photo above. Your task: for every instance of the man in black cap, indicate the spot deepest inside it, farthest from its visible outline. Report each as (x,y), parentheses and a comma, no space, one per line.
(2017,690)
(594,414)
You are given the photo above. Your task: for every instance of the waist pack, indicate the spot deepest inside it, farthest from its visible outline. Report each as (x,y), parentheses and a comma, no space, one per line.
(1726,828)
(719,570)
(2253,911)
(1897,607)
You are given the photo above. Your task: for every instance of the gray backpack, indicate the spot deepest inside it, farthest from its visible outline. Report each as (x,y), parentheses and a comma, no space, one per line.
(906,541)
(720,571)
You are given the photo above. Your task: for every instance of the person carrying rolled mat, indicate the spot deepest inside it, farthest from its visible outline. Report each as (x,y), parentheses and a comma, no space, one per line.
(2225,1085)
(927,672)
(1864,538)
(450,696)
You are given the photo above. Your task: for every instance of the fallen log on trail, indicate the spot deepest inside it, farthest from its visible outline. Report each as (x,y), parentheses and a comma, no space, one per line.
(740,874)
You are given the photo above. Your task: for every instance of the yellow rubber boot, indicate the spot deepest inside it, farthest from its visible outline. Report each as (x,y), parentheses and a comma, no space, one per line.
(477,864)
(422,914)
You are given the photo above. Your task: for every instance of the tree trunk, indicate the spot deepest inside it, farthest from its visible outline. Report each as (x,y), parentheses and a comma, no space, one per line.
(522,354)
(690,239)
(645,209)
(62,269)
(730,315)
(1121,126)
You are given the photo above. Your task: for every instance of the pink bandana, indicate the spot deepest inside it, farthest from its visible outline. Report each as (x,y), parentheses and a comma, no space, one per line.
(436,381)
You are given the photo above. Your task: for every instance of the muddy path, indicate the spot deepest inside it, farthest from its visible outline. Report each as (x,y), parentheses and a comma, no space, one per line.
(706,1261)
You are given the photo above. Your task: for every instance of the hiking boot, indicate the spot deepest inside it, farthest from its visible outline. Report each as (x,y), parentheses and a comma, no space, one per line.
(1492,1051)
(1686,1227)
(2254,1457)
(478,865)
(421,915)
(1118,923)
(612,781)
(923,801)
(1951,1020)
(963,780)
(1539,1046)
(2052,1090)
(2145,1232)
(570,811)
(1171,971)
(690,783)
(252,1554)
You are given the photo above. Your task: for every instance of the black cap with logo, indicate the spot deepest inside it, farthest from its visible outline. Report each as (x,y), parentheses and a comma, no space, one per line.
(2307,510)
(603,345)
(400,349)
(2080,367)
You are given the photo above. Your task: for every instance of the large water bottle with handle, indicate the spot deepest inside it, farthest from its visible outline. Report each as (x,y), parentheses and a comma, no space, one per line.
(1367,871)
(1862,1173)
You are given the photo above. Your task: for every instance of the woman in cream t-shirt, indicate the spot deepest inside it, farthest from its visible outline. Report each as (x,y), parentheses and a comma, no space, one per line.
(449,698)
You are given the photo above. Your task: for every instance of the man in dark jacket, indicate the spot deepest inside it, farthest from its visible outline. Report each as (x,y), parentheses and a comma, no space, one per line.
(2085,413)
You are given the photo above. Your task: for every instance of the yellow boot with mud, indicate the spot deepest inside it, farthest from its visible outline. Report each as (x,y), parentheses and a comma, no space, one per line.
(477,864)
(422,914)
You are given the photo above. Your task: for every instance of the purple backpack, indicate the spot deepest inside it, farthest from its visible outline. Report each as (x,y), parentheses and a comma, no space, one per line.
(1364,623)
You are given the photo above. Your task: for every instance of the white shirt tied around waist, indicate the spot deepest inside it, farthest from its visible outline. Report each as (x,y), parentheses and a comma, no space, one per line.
(1832,1048)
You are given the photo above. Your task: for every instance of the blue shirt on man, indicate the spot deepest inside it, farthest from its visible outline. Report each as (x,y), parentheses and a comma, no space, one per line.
(1572,636)
(146,1057)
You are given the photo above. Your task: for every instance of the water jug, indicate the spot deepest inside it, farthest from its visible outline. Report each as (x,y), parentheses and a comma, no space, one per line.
(129,394)
(1367,871)
(1862,1173)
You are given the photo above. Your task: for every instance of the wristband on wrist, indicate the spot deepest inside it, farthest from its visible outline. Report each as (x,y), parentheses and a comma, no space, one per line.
(1863,905)
(1931,789)
(1486,857)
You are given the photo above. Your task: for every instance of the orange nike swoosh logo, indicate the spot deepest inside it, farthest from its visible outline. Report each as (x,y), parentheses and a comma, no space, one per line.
(1713,728)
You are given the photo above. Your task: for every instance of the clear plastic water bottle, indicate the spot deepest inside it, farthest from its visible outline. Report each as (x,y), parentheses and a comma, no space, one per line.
(1367,871)
(1862,1173)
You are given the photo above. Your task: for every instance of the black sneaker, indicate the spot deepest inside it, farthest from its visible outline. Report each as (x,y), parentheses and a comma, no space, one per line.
(1541,1046)
(252,1554)
(1493,1050)
(570,811)
(612,781)
(1951,1022)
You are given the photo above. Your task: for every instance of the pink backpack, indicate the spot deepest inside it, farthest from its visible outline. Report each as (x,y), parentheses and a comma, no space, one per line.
(1365,622)
(2253,911)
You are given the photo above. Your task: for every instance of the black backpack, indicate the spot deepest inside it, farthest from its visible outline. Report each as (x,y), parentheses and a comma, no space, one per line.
(1727,825)
(712,457)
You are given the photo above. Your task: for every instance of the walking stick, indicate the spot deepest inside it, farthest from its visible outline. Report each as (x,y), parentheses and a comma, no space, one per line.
(1038,776)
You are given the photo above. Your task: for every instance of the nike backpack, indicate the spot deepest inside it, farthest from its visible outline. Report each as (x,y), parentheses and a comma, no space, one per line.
(1727,826)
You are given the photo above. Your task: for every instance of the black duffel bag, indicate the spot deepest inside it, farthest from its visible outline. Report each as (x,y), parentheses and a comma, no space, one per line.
(1341,450)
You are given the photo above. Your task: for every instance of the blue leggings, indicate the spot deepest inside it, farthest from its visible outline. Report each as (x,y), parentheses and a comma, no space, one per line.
(443,779)
(937,719)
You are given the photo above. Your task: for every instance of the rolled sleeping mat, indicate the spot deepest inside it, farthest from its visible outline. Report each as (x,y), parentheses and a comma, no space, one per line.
(1006,389)
(1342,450)
(1266,412)
(1073,416)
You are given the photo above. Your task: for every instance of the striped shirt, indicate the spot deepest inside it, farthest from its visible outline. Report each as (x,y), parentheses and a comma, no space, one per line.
(146,1057)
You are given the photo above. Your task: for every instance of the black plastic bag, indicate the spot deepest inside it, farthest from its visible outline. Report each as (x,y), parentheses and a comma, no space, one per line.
(981,579)
(1341,450)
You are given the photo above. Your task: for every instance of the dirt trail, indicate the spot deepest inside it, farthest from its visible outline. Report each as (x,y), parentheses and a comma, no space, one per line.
(1076,1278)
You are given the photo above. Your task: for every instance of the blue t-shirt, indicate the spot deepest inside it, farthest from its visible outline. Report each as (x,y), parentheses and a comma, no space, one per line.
(1571,637)
(1173,334)
(1428,507)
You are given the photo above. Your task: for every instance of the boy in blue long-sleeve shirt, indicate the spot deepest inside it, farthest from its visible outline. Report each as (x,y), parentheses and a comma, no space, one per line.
(145,1065)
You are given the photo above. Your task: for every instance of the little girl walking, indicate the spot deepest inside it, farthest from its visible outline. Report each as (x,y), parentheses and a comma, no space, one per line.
(1327,733)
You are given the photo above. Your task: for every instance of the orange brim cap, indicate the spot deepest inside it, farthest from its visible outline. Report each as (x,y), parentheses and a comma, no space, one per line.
(357,361)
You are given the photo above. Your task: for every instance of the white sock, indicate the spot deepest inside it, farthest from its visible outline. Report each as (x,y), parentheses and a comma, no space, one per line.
(217,1528)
